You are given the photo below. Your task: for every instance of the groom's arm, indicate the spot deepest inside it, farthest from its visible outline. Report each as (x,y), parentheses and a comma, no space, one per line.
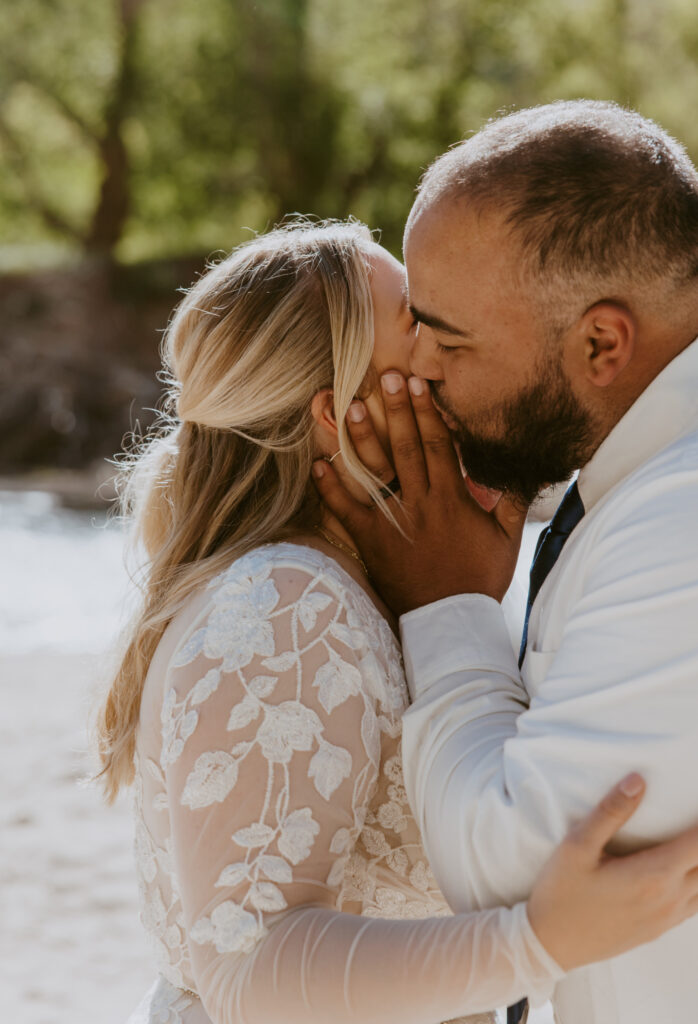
(493,782)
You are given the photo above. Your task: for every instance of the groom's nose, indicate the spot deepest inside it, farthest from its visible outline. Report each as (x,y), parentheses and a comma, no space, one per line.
(424,360)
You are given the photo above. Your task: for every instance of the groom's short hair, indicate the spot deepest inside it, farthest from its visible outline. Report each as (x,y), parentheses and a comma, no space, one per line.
(588,187)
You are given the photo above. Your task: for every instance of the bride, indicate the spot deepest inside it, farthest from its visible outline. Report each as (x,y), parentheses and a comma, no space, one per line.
(257,706)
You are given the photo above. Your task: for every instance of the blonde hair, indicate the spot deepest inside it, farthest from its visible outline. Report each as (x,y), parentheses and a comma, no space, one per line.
(228,468)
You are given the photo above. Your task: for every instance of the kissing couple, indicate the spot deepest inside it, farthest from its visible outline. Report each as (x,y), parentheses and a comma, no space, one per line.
(331,824)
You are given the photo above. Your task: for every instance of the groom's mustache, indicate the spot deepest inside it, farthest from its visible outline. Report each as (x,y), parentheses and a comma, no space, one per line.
(486,497)
(446,415)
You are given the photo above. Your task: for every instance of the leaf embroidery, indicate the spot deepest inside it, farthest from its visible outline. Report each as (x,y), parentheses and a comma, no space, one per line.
(275,868)
(190,650)
(309,606)
(233,874)
(287,727)
(254,835)
(298,832)
(230,928)
(358,659)
(370,734)
(282,662)
(267,897)
(340,841)
(336,681)
(329,767)
(243,713)
(212,778)
(206,686)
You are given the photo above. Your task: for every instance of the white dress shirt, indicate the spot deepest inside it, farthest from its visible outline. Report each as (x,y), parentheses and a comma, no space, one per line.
(499,762)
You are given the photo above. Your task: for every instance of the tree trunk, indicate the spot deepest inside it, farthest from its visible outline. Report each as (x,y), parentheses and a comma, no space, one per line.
(113,205)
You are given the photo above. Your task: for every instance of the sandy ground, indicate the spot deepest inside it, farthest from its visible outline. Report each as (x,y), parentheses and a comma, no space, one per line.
(71,946)
(72,949)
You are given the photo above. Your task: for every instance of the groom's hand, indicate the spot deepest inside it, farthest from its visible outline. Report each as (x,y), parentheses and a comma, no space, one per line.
(448,544)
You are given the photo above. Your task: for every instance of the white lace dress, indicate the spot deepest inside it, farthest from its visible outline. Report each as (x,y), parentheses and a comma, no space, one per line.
(281,872)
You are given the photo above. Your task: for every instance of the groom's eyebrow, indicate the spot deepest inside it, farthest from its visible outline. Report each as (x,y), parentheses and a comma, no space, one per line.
(436,323)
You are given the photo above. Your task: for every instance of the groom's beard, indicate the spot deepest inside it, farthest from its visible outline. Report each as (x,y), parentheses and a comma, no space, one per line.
(545,434)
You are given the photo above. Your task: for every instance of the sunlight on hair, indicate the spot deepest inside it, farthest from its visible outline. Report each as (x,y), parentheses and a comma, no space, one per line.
(227,466)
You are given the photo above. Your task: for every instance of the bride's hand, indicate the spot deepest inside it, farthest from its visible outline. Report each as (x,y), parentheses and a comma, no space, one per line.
(587,905)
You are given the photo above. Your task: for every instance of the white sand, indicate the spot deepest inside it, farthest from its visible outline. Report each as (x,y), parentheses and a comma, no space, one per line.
(71,946)
(72,949)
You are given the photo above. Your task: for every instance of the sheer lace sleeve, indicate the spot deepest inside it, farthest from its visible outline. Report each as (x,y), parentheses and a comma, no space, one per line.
(271,726)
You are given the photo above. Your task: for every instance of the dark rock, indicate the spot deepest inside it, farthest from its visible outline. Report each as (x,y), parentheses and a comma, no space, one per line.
(79,350)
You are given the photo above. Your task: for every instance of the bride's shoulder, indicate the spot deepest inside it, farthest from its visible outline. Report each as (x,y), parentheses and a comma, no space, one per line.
(277,579)
(288,569)
(280,607)
(279,554)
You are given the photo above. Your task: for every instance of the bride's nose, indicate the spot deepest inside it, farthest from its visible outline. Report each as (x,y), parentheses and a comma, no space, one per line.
(424,360)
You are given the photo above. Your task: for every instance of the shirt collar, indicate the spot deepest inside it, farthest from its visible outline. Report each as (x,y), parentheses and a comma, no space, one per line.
(665,410)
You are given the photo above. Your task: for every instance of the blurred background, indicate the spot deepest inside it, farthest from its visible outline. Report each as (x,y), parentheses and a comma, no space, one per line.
(137,138)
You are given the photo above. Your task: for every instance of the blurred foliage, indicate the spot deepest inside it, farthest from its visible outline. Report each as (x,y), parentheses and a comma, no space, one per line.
(146,128)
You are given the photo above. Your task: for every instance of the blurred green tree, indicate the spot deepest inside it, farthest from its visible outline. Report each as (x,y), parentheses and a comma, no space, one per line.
(135,132)
(144,128)
(67,78)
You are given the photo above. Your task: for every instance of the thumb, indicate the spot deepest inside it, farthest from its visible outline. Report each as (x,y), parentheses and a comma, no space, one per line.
(596,830)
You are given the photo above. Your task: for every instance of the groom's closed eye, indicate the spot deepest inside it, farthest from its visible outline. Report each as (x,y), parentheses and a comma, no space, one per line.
(437,324)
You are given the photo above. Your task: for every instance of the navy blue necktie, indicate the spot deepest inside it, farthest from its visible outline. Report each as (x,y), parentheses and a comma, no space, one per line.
(550,543)
(518,1013)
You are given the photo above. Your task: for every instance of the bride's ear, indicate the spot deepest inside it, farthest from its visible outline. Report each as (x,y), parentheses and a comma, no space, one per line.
(322,411)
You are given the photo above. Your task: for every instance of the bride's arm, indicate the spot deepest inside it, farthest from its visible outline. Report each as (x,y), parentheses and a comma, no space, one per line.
(321,965)
(271,729)
(272,721)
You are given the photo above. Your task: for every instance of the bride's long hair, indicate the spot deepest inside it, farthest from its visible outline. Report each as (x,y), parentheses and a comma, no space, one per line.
(228,467)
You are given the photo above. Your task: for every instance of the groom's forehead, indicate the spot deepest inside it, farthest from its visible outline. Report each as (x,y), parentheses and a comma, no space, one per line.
(426,237)
(450,235)
(464,269)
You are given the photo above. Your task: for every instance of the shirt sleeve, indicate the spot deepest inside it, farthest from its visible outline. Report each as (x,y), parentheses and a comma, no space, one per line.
(271,748)
(495,783)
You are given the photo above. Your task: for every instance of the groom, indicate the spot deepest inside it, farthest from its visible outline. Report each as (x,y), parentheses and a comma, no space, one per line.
(552,265)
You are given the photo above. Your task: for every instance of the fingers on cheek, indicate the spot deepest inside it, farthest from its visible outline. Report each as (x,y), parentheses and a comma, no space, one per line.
(361,433)
(362,430)
(419,390)
(321,472)
(369,448)
(398,402)
(392,385)
(356,415)
(398,412)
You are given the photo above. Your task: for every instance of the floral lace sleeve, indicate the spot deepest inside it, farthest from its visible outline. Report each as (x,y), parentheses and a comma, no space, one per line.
(271,736)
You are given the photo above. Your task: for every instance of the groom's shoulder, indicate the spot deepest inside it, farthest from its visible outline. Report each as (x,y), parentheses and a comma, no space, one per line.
(674,467)
(660,495)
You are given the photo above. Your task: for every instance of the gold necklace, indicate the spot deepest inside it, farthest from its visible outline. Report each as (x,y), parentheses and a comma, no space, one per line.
(341,546)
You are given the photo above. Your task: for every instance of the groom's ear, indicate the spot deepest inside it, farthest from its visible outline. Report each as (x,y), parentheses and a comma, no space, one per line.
(608,334)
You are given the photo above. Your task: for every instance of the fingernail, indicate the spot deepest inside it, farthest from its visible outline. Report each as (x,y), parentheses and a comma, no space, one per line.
(319,469)
(357,412)
(416,385)
(392,382)
(632,784)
